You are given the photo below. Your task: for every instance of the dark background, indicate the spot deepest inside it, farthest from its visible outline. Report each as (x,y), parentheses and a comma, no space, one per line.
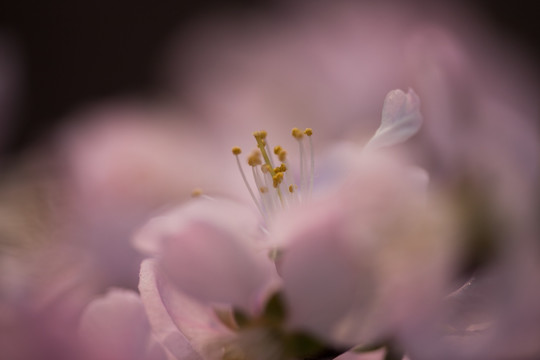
(75,52)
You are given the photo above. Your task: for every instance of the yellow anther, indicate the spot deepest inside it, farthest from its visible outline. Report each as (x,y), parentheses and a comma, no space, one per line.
(308,131)
(263,189)
(282,168)
(196,192)
(265,168)
(236,150)
(277,179)
(260,135)
(277,150)
(255,158)
(282,156)
(291,189)
(297,133)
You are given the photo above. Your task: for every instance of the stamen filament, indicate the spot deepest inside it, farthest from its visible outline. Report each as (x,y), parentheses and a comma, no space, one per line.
(236,153)
(309,132)
(263,190)
(289,180)
(267,146)
(262,145)
(302,172)
(276,185)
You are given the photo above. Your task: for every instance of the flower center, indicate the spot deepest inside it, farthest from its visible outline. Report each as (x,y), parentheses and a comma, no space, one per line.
(276,185)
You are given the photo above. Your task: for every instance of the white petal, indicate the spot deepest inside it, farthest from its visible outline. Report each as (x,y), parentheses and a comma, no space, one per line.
(401,119)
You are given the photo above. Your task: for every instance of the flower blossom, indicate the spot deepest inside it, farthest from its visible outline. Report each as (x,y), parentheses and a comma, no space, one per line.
(319,270)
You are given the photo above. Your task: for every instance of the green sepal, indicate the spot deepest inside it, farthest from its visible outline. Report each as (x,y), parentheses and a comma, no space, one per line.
(241,319)
(226,317)
(300,345)
(275,310)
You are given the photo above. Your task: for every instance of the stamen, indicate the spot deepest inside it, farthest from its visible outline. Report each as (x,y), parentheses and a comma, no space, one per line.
(262,185)
(277,179)
(267,147)
(275,184)
(265,168)
(289,180)
(237,151)
(273,197)
(299,135)
(196,192)
(254,158)
(309,132)
(282,156)
(260,136)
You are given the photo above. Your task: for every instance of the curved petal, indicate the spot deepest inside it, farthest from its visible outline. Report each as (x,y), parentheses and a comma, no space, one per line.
(351,254)
(401,119)
(225,214)
(319,277)
(183,326)
(209,251)
(115,327)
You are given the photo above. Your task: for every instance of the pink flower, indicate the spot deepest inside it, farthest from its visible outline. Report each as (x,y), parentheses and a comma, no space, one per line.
(339,271)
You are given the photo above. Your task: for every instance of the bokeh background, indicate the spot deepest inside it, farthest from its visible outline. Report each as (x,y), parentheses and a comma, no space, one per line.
(114,111)
(71,54)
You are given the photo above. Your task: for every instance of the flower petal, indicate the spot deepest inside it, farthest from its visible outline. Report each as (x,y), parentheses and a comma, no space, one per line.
(179,323)
(115,327)
(209,251)
(401,119)
(319,278)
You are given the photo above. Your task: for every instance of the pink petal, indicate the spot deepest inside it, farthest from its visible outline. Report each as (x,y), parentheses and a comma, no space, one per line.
(182,325)
(401,119)
(319,276)
(115,327)
(209,250)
